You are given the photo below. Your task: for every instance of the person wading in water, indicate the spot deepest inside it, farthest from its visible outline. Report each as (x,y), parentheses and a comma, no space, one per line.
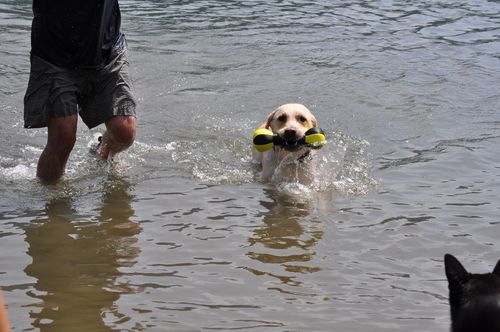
(79,66)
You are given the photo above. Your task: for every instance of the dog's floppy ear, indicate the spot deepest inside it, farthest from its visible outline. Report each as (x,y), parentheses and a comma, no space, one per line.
(456,274)
(496,270)
(270,118)
(314,121)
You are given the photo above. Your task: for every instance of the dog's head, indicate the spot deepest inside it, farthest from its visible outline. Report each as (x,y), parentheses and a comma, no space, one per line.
(290,122)
(474,298)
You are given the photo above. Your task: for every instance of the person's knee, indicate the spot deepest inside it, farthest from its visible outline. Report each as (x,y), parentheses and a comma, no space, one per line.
(122,129)
(66,143)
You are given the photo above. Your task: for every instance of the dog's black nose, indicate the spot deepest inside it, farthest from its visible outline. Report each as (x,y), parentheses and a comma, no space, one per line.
(290,135)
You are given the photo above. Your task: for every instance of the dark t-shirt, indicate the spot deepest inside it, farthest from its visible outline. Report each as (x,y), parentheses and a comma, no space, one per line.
(75,33)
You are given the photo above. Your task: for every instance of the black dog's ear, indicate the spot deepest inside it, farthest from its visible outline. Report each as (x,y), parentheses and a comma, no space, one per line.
(496,270)
(455,271)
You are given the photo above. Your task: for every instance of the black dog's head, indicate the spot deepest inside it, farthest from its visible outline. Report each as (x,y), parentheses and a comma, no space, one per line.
(474,298)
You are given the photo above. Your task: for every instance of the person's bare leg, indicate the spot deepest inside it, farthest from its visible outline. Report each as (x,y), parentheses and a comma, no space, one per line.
(61,139)
(119,135)
(4,320)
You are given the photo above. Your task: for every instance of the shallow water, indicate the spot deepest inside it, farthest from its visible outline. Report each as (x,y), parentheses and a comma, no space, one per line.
(180,235)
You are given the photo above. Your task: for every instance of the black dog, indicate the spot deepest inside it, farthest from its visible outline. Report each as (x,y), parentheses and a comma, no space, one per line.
(474,298)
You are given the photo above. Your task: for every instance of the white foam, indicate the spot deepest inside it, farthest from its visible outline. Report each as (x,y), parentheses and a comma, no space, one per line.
(144,147)
(295,189)
(19,172)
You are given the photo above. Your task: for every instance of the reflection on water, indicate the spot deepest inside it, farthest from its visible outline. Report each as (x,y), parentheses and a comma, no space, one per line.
(284,239)
(76,262)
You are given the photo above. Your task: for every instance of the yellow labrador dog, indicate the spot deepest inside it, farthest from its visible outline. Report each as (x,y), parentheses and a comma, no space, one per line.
(290,161)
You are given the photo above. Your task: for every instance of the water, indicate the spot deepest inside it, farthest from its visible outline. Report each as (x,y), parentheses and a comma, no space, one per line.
(179,234)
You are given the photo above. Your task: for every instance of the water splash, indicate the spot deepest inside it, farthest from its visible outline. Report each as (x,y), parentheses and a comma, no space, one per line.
(341,166)
(222,157)
(18,172)
(216,156)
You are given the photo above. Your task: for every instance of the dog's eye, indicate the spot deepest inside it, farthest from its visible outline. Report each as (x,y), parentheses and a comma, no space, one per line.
(302,119)
(282,118)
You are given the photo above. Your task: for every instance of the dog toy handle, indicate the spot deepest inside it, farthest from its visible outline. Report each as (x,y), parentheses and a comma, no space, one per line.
(264,139)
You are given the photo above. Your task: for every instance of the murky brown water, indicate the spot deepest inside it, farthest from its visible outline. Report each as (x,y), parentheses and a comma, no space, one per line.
(180,236)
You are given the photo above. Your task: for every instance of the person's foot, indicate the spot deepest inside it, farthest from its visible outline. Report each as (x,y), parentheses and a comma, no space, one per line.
(95,146)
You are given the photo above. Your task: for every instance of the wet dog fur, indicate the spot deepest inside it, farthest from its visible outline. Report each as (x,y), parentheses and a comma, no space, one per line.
(289,162)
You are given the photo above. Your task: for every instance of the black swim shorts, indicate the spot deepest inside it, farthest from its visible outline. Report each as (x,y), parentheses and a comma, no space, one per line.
(97,95)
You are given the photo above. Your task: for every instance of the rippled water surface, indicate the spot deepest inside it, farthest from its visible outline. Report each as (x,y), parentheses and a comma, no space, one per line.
(180,235)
